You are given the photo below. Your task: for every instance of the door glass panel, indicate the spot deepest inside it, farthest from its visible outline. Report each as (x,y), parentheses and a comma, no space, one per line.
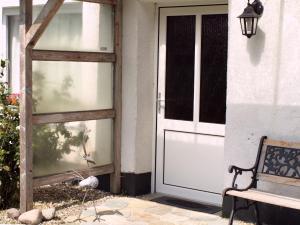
(213,68)
(179,96)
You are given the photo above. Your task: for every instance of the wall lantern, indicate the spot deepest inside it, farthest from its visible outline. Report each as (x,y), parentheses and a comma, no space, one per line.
(249,18)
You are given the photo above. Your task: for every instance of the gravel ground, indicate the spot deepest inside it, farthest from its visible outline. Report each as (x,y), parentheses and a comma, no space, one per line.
(65,198)
(67,201)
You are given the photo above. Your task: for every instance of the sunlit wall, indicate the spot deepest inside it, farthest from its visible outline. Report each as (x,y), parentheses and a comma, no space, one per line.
(263,96)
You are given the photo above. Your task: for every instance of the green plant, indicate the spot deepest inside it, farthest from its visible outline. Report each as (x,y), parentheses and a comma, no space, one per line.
(9,144)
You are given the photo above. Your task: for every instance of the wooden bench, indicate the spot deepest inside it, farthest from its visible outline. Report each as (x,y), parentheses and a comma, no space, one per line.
(277,162)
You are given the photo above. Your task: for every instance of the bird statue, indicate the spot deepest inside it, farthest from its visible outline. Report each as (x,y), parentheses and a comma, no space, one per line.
(90,182)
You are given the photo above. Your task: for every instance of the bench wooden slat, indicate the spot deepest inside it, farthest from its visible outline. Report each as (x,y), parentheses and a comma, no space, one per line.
(279,180)
(266,197)
(283,144)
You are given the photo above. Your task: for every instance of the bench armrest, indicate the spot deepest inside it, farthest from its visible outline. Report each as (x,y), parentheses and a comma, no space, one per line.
(239,171)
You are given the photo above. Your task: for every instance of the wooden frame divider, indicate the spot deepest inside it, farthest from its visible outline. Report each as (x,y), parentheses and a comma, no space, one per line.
(110,2)
(75,56)
(30,34)
(52,179)
(73,116)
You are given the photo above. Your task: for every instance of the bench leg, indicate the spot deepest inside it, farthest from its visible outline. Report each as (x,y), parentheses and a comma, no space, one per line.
(256,211)
(232,210)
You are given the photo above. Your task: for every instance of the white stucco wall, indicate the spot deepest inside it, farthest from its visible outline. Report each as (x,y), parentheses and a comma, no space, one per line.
(263,77)
(263,81)
(138,86)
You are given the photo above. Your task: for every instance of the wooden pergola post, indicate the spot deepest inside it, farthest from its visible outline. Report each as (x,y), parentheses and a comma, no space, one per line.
(115,181)
(30,33)
(26,188)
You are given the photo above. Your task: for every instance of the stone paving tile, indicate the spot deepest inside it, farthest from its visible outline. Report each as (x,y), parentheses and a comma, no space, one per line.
(116,203)
(94,223)
(88,212)
(132,211)
(158,210)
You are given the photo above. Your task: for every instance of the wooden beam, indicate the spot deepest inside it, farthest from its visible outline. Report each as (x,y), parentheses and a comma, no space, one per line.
(40,24)
(278,179)
(269,198)
(110,2)
(49,55)
(57,178)
(116,176)
(283,144)
(73,116)
(26,193)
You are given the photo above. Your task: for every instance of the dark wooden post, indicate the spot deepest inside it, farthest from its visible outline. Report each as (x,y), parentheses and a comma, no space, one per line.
(116,176)
(26,192)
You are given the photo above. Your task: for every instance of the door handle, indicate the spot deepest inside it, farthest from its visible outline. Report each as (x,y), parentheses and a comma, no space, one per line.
(159,101)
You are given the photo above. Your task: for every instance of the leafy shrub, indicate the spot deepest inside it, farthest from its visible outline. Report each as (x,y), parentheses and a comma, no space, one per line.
(9,144)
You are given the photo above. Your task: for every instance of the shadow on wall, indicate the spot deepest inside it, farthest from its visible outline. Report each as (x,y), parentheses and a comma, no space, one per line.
(255,46)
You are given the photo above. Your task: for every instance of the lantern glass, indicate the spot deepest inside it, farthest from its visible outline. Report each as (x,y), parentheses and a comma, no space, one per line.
(243,26)
(255,21)
(248,25)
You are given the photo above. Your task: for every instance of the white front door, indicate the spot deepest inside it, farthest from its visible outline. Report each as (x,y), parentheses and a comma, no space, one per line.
(191,102)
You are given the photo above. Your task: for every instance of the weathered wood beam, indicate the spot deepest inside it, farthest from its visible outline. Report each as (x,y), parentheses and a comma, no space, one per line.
(57,178)
(73,116)
(26,187)
(110,2)
(40,24)
(116,176)
(49,55)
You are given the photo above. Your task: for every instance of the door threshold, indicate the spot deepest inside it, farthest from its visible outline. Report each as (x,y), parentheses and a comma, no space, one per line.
(186,204)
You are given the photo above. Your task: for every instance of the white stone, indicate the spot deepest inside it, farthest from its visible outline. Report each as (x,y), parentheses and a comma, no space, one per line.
(48,214)
(13,213)
(32,217)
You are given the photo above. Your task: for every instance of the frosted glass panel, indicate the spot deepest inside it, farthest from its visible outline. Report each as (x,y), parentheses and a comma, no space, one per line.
(14,53)
(80,26)
(72,86)
(60,147)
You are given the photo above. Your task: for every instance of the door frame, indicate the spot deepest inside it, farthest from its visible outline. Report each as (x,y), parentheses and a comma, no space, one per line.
(158,8)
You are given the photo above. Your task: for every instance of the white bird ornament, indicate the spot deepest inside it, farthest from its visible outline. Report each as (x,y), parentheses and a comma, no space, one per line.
(90,182)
